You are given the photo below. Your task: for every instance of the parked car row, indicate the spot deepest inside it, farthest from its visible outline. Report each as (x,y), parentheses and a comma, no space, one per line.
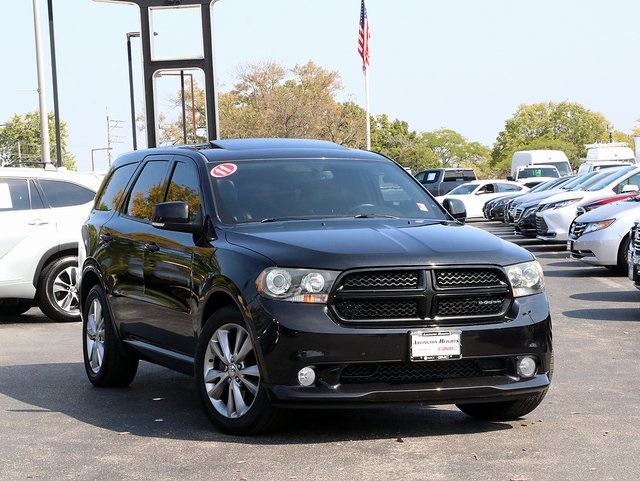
(596,214)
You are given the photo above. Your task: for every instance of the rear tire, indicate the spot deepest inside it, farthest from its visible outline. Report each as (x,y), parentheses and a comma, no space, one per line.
(57,293)
(228,376)
(503,410)
(106,361)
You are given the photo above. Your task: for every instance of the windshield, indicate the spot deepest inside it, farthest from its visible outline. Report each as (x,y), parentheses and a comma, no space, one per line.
(286,189)
(563,166)
(585,180)
(531,172)
(464,189)
(612,177)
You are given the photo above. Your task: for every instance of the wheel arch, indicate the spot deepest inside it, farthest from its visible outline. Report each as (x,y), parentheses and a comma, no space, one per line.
(216,301)
(90,277)
(68,249)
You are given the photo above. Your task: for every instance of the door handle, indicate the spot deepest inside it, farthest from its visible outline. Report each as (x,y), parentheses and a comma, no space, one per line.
(151,247)
(38,222)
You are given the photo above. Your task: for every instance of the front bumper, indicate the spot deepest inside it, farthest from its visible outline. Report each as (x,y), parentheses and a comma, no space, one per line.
(597,248)
(553,224)
(356,365)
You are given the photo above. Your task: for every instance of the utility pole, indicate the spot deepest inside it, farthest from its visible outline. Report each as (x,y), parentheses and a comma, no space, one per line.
(42,98)
(112,139)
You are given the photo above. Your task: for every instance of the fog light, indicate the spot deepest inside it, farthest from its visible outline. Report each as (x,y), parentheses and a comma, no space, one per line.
(527,366)
(306,376)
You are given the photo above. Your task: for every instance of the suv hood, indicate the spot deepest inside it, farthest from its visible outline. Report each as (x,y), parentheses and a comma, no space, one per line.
(334,244)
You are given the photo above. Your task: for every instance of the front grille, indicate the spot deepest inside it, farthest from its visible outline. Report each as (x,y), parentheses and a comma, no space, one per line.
(382,280)
(463,306)
(635,239)
(467,278)
(517,214)
(351,309)
(396,373)
(434,297)
(577,229)
(541,226)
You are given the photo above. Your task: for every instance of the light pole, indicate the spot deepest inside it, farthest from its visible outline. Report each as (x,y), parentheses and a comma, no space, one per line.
(133,106)
(182,75)
(134,136)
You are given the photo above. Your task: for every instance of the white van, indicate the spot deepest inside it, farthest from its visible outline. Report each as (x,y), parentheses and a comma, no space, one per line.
(612,151)
(591,165)
(557,158)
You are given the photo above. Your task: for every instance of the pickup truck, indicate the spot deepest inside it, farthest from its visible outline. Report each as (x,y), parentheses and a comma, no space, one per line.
(439,181)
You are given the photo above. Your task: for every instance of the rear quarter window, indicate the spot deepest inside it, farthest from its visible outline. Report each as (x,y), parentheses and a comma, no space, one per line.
(114,188)
(60,193)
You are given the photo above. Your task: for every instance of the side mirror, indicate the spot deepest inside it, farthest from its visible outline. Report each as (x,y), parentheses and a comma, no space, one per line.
(456,209)
(173,216)
(510,177)
(630,188)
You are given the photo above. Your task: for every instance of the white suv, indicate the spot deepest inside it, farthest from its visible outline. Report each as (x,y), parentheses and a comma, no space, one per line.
(555,214)
(41,212)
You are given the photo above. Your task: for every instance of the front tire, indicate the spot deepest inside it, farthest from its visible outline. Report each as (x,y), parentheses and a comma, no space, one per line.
(106,361)
(503,410)
(623,263)
(228,376)
(57,293)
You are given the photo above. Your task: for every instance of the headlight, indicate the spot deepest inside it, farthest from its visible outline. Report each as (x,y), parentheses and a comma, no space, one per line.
(296,285)
(526,278)
(560,204)
(595,226)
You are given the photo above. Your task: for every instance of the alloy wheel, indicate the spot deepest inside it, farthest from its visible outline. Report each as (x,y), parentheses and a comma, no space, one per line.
(231,374)
(95,336)
(65,290)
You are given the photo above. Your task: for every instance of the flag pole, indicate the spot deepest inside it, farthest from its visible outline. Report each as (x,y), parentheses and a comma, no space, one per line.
(366,93)
(363,50)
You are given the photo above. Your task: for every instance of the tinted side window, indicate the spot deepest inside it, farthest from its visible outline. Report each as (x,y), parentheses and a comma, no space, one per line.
(633,180)
(63,194)
(114,188)
(185,187)
(14,194)
(36,199)
(147,190)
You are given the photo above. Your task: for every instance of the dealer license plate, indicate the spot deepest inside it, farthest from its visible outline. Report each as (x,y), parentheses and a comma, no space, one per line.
(435,345)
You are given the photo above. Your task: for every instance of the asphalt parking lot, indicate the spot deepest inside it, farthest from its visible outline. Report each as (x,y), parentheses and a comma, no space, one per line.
(56,426)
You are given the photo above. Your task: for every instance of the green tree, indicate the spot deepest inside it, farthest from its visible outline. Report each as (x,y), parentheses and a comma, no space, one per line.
(268,100)
(395,140)
(566,126)
(20,140)
(453,150)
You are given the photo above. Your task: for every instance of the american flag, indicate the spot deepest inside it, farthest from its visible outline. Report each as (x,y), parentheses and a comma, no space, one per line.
(363,37)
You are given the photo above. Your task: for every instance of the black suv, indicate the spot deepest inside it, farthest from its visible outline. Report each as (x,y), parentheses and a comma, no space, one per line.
(289,273)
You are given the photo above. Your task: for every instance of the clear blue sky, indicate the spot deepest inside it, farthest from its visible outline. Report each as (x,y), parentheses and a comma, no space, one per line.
(459,64)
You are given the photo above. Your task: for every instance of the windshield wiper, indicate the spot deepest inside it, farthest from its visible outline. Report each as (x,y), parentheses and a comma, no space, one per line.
(373,216)
(282,219)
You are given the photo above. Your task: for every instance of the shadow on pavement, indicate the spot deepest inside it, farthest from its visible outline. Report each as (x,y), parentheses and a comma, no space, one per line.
(162,403)
(608,314)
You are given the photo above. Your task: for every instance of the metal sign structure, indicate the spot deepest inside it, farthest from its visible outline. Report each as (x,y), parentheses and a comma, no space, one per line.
(150,66)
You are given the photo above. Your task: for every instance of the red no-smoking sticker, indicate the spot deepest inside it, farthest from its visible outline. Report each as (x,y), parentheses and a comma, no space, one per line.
(223,170)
